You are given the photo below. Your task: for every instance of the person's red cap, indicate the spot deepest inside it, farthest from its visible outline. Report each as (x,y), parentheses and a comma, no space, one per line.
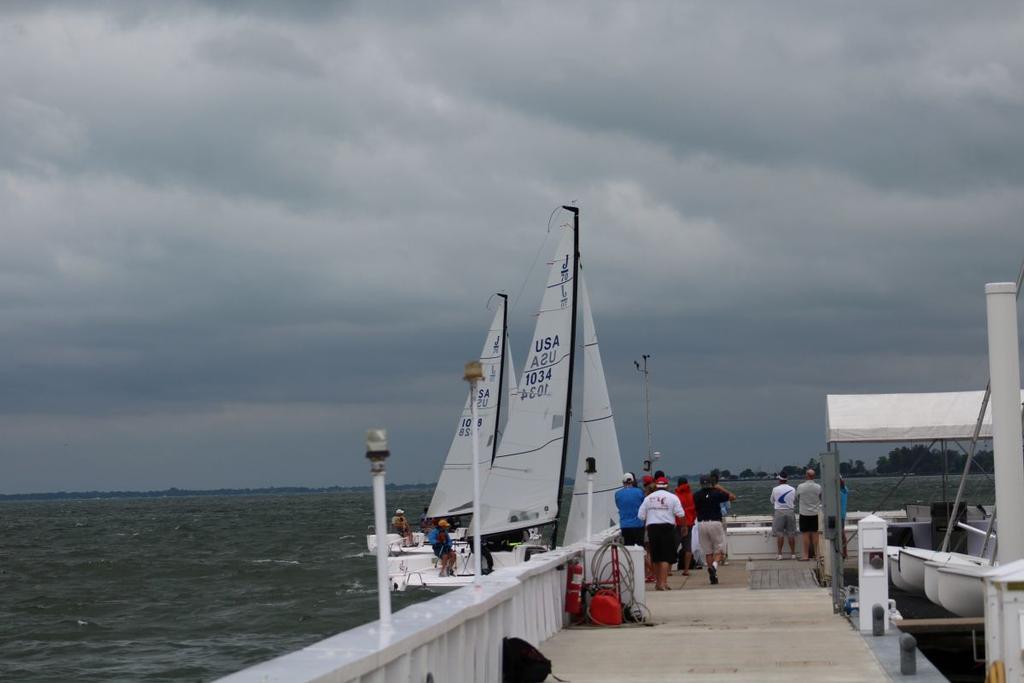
(648,479)
(662,481)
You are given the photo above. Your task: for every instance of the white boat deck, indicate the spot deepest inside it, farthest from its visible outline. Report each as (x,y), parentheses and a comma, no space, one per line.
(730,632)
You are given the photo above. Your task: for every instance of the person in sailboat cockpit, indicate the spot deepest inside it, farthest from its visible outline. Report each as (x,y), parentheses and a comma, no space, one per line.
(441,541)
(401,526)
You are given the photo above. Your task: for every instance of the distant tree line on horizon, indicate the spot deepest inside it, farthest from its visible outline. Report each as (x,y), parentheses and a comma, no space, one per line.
(917,459)
(175,492)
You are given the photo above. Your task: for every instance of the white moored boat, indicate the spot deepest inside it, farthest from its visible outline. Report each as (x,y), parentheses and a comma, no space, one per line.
(961,589)
(940,560)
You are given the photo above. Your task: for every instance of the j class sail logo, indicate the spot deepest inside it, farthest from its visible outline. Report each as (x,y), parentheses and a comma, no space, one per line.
(466,425)
(565,278)
(537,376)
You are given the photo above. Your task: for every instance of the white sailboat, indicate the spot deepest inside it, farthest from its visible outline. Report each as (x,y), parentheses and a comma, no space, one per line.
(597,439)
(523,487)
(453,493)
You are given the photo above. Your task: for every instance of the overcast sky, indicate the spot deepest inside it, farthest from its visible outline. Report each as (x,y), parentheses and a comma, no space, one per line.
(235,235)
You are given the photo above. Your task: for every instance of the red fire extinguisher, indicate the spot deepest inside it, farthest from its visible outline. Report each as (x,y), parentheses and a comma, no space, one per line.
(574,588)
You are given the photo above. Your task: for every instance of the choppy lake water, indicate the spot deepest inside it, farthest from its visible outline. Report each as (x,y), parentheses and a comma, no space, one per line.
(189,589)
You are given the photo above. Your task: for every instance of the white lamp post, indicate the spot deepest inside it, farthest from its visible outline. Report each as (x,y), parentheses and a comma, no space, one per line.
(590,470)
(474,372)
(377,453)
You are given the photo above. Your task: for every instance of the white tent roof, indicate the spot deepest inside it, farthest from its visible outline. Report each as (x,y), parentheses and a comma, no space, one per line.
(905,417)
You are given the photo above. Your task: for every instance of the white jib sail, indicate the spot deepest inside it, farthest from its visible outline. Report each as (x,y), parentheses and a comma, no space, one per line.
(454,492)
(522,486)
(597,439)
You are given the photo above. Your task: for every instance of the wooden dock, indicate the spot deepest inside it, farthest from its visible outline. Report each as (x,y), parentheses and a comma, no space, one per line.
(765,621)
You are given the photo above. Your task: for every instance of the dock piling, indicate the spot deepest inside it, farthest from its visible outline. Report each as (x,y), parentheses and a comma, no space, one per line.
(877,620)
(908,655)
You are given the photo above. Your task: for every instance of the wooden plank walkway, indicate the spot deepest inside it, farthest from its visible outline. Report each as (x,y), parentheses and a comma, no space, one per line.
(724,634)
(766,575)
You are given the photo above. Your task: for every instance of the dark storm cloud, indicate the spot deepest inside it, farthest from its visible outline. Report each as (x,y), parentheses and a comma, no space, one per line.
(235,235)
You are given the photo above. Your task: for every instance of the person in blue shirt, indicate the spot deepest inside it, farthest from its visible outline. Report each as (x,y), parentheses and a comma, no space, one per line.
(628,500)
(441,541)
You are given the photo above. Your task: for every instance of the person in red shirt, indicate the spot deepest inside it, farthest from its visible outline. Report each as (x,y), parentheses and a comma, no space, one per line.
(685,525)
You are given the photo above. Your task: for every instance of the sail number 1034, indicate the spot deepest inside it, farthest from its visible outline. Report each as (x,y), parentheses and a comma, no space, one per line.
(535,384)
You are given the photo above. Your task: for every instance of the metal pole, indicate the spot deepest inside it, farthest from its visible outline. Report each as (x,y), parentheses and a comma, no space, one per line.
(1004,371)
(377,453)
(474,372)
(647,405)
(977,431)
(945,470)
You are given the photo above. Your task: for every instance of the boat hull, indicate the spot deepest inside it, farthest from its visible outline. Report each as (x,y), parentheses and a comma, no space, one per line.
(939,560)
(961,589)
(911,568)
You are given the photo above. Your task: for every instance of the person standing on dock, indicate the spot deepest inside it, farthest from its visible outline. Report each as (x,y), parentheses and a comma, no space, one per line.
(784,522)
(660,510)
(708,502)
(685,526)
(628,500)
(808,500)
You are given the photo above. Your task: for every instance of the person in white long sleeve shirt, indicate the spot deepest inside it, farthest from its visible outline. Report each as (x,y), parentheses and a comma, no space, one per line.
(659,511)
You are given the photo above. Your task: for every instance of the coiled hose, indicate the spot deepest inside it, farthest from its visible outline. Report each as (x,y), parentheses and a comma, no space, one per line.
(601,572)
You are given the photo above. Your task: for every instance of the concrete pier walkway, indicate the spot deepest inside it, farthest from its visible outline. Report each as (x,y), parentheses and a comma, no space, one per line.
(779,630)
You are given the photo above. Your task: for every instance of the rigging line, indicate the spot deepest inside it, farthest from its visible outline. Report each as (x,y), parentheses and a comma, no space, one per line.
(515,302)
(596,419)
(583,493)
(532,450)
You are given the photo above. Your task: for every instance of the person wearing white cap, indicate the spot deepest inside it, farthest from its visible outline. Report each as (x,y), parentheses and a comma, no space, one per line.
(660,511)
(401,526)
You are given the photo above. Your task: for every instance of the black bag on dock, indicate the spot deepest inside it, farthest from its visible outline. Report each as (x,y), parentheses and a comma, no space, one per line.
(522,662)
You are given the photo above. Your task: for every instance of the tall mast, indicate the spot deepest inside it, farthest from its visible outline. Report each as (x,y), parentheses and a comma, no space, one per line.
(501,376)
(572,358)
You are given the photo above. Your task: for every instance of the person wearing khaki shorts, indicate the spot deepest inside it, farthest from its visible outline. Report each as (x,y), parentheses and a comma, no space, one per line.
(708,502)
(783,499)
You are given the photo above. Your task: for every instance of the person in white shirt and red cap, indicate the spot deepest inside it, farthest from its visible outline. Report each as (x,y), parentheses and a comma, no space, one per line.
(660,510)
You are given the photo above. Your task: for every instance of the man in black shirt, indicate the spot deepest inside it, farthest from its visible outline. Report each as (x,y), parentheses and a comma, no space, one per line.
(708,501)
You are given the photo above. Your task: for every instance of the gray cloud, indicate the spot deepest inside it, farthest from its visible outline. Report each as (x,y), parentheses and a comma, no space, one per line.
(236,235)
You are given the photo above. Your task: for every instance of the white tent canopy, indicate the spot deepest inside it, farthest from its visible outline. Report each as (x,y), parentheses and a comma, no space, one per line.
(905,417)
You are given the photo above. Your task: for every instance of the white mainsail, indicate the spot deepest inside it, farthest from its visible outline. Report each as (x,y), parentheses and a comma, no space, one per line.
(522,486)
(598,438)
(454,492)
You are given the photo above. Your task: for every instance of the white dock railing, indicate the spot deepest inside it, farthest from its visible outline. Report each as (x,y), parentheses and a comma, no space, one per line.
(453,637)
